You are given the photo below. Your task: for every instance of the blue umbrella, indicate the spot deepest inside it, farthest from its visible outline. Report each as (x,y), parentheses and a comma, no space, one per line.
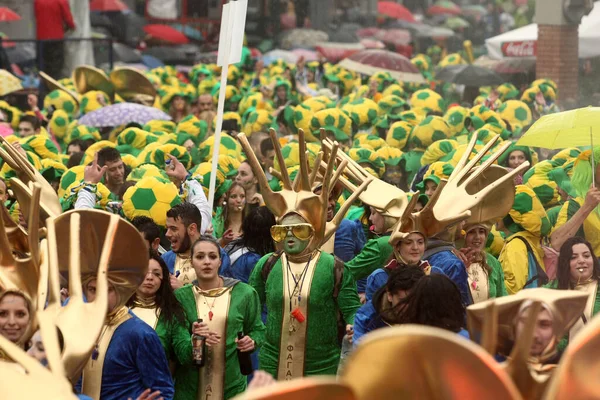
(151,62)
(122,114)
(190,32)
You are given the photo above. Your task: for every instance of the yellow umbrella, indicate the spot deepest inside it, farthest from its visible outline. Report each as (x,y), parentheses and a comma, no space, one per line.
(573,128)
(8,83)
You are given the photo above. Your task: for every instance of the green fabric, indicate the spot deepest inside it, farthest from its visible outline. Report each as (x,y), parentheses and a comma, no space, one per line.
(552,214)
(495,278)
(375,254)
(218,223)
(322,354)
(244,315)
(565,340)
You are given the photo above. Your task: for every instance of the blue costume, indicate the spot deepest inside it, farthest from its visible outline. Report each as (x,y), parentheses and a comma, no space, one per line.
(440,254)
(349,240)
(135,361)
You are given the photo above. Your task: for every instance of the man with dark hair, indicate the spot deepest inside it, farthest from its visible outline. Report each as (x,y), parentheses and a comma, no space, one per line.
(183,229)
(267,159)
(205,103)
(29,125)
(114,176)
(76,146)
(149,230)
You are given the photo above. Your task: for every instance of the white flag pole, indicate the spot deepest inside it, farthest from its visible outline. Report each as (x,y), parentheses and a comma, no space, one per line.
(230,51)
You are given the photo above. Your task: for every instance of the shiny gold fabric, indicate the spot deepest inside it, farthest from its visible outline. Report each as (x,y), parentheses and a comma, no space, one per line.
(87,78)
(132,85)
(212,376)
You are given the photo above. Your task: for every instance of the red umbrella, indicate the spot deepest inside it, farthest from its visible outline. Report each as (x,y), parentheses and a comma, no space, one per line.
(444,7)
(6,15)
(394,36)
(395,11)
(108,5)
(335,52)
(166,33)
(370,62)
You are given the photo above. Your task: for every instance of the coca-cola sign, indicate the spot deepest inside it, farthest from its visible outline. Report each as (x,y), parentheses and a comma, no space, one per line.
(524,48)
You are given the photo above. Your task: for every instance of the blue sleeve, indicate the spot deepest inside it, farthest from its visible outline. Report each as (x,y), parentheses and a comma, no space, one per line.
(169,258)
(448,264)
(225,261)
(362,322)
(346,238)
(375,281)
(152,364)
(243,267)
(360,237)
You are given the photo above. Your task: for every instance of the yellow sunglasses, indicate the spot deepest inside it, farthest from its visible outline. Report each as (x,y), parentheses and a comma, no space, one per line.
(300,231)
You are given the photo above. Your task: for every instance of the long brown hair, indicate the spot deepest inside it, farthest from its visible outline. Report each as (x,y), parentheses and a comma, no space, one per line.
(563,270)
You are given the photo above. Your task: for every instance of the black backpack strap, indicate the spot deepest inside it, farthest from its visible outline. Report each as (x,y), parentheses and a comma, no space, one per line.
(541,276)
(269,264)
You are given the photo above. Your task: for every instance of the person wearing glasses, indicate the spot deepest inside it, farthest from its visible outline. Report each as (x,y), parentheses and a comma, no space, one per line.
(317,294)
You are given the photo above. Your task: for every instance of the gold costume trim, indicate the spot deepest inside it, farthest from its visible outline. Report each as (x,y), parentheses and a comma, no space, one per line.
(211,378)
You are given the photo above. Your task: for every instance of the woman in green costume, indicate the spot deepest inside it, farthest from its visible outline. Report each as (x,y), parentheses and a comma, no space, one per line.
(226,307)
(578,269)
(486,278)
(310,297)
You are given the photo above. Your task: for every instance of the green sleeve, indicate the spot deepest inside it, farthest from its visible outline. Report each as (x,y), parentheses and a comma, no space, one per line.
(368,260)
(253,325)
(181,337)
(256,280)
(164,334)
(348,301)
(496,276)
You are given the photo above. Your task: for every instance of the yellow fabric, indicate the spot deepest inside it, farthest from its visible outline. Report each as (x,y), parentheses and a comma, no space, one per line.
(515,262)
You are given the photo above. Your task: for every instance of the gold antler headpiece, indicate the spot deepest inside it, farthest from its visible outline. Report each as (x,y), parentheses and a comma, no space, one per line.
(298,196)
(455,198)
(494,321)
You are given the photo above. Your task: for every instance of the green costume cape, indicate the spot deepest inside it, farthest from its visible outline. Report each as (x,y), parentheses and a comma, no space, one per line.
(322,354)
(243,316)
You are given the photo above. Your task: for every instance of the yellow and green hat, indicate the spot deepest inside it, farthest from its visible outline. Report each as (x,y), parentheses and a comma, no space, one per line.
(257,121)
(83,132)
(41,145)
(390,155)
(146,170)
(566,155)
(371,141)
(363,113)
(59,123)
(61,101)
(517,113)
(302,120)
(151,197)
(317,104)
(194,127)
(69,177)
(436,172)
(398,134)
(392,106)
(527,214)
(159,155)
(456,118)
(291,156)
(422,62)
(394,90)
(136,138)
(89,101)
(428,100)
(432,129)
(547,82)
(160,126)
(52,170)
(202,172)
(438,151)
(333,120)
(228,145)
(507,91)
(369,158)
(451,59)
(539,179)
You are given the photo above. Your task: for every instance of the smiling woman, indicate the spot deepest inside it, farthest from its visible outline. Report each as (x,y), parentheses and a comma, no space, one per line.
(15,316)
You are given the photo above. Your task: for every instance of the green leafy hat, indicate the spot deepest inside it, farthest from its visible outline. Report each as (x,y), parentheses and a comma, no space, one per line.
(392,106)
(503,159)
(333,120)
(527,214)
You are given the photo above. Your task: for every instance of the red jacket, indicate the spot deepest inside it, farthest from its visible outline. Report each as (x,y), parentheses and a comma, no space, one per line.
(51,18)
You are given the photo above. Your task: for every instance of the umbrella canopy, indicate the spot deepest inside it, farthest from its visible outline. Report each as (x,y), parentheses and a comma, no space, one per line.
(370,62)
(394,36)
(108,5)
(166,33)
(304,38)
(190,32)
(7,15)
(428,31)
(308,55)
(122,114)
(456,23)
(395,11)
(444,7)
(573,128)
(278,54)
(184,55)
(335,52)
(21,54)
(151,62)
(9,83)
(127,27)
(476,11)
(508,66)
(468,75)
